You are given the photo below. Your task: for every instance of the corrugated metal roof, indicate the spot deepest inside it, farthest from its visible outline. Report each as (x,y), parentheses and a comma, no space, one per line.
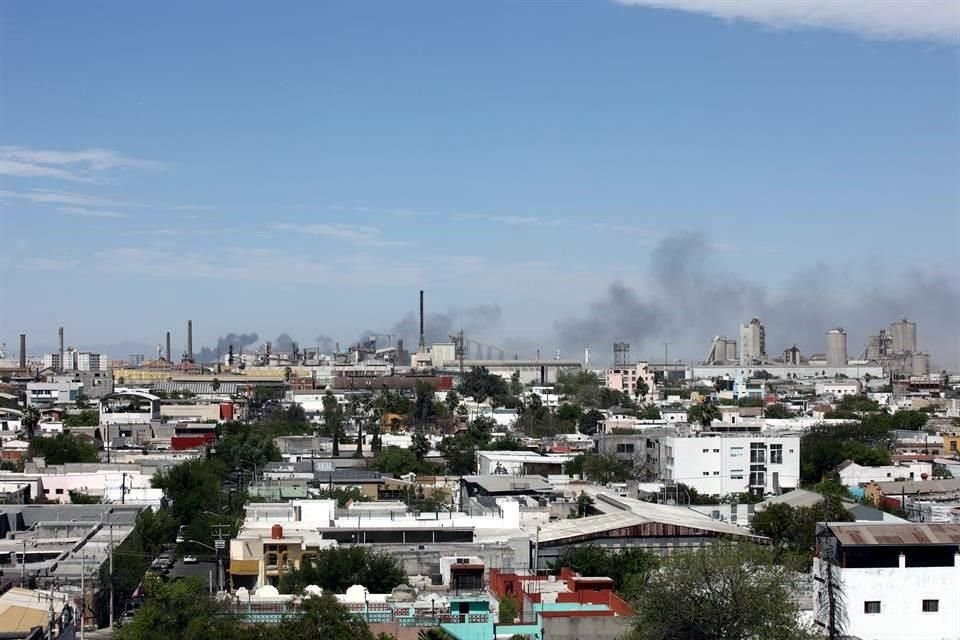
(859,534)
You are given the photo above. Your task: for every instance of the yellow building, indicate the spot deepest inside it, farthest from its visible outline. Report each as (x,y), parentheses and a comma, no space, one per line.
(951,445)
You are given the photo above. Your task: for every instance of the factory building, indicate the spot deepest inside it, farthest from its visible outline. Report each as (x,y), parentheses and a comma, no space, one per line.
(753,342)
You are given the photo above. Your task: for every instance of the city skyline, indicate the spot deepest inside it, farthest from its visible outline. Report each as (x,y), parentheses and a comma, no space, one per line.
(553,175)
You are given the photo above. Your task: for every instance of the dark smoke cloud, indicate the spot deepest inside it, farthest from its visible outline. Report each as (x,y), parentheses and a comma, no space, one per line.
(475,321)
(687,303)
(282,344)
(326,344)
(238,340)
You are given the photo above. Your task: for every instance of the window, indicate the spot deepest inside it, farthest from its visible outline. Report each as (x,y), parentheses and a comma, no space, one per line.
(758,453)
(931,606)
(716,450)
(758,479)
(776,454)
(736,474)
(625,447)
(706,473)
(706,450)
(59,492)
(871,606)
(736,452)
(716,473)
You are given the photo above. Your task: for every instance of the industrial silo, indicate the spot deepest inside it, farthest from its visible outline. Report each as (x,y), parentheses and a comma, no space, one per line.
(837,348)
(920,364)
(904,334)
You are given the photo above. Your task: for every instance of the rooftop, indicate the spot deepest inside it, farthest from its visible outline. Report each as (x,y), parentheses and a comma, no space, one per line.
(853,534)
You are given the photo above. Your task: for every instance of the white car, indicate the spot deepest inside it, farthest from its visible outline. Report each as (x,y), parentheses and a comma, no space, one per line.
(189,559)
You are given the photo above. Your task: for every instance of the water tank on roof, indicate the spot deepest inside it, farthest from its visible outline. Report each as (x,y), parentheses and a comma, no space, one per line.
(276,532)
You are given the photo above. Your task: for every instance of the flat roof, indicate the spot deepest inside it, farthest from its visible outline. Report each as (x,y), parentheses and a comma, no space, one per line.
(855,534)
(502,483)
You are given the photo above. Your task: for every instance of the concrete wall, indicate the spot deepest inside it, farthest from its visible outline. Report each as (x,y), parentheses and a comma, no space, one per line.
(586,628)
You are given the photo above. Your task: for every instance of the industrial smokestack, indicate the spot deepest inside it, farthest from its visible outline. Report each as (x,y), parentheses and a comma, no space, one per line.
(423,342)
(23,351)
(168,347)
(61,367)
(190,340)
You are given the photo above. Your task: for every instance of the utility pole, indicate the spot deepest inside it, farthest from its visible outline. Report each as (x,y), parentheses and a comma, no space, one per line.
(83,594)
(123,489)
(23,564)
(666,361)
(111,573)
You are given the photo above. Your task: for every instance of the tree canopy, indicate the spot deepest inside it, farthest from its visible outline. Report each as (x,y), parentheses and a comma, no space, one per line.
(629,568)
(480,384)
(338,568)
(63,448)
(720,592)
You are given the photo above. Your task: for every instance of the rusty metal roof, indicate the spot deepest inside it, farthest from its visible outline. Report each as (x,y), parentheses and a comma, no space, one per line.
(861,534)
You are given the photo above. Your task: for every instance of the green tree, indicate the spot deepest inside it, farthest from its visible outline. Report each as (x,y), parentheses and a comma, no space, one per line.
(589,422)
(29,420)
(583,508)
(460,454)
(604,468)
(63,448)
(721,592)
(777,411)
(180,609)
(629,568)
(396,461)
(333,420)
(79,497)
(420,445)
(321,616)
(509,607)
(516,387)
(479,384)
(86,418)
(423,407)
(83,402)
(452,401)
(649,412)
(338,568)
(703,414)
(792,529)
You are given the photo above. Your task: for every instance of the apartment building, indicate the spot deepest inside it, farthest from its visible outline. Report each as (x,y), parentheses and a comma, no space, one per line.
(721,464)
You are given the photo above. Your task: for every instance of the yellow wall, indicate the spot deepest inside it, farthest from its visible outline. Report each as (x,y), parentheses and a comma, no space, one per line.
(951,445)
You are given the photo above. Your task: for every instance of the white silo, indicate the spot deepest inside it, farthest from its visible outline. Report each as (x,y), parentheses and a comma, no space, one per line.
(837,348)
(904,335)
(920,364)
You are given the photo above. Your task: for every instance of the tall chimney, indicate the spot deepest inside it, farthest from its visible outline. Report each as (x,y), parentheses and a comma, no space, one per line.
(23,351)
(423,342)
(190,340)
(168,347)
(61,350)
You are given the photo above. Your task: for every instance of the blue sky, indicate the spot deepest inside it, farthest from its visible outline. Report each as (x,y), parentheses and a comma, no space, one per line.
(306,167)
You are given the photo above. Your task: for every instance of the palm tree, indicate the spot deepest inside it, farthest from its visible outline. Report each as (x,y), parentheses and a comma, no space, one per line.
(333,420)
(434,633)
(30,420)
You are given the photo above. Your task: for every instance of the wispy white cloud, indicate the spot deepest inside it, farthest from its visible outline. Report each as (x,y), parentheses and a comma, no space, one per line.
(356,234)
(935,20)
(90,213)
(43,196)
(85,165)
(514,221)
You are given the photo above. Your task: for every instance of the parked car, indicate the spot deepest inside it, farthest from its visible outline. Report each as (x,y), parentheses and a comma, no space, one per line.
(190,560)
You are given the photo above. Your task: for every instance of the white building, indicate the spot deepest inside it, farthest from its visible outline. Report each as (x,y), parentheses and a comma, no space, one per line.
(74,360)
(721,464)
(854,475)
(838,388)
(624,378)
(520,463)
(898,580)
